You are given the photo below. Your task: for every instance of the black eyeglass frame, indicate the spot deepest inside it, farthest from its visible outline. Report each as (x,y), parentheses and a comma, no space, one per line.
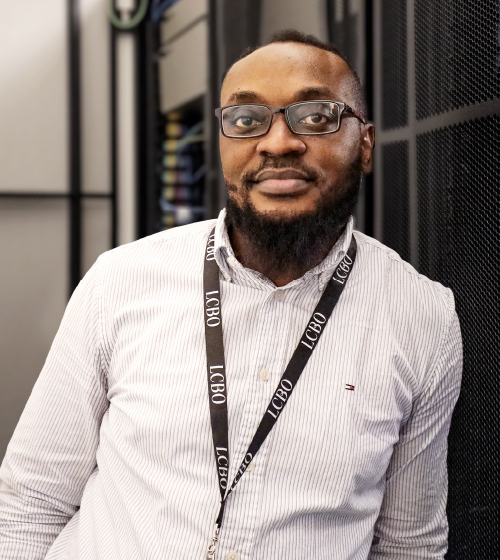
(344,109)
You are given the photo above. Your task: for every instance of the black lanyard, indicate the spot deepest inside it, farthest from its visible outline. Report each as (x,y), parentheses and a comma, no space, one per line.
(216,368)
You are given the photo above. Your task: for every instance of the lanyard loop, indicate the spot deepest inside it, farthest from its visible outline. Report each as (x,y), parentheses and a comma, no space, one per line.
(216,368)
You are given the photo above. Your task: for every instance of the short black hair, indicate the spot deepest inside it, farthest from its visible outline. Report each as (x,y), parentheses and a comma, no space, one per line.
(294,36)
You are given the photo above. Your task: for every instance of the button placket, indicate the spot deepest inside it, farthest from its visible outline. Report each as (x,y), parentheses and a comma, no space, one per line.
(247,494)
(259,393)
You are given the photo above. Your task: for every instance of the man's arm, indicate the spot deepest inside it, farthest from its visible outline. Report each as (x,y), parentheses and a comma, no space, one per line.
(412,522)
(53,450)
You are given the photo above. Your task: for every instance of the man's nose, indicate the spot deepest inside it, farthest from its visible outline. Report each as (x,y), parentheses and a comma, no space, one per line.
(280,139)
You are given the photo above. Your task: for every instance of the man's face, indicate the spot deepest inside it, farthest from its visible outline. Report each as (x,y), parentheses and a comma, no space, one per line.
(282,174)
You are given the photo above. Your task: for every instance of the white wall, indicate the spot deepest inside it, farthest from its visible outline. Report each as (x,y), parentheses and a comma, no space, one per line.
(33,100)
(34,157)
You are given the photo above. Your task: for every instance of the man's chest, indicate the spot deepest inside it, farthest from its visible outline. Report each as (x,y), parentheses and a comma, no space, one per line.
(343,417)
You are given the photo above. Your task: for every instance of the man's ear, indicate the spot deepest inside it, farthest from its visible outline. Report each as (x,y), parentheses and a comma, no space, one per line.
(367,145)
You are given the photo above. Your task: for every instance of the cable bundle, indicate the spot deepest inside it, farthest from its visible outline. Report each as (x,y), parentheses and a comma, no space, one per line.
(182,170)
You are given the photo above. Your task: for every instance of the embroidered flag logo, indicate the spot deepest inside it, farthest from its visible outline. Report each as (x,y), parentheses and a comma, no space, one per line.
(349,387)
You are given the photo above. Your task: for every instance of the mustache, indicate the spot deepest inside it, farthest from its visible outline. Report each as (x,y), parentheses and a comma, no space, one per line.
(285,162)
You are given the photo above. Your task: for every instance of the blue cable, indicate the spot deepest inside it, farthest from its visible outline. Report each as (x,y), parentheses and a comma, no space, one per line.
(158,7)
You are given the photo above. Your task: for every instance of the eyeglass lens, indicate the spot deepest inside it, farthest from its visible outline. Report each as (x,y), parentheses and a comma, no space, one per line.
(304,118)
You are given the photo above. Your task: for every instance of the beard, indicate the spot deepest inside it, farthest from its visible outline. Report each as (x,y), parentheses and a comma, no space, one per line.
(288,242)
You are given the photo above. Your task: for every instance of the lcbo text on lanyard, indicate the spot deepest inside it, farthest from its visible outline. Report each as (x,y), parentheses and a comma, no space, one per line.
(216,369)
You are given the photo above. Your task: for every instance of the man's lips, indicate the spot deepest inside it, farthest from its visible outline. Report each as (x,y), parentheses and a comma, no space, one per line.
(281,175)
(282,182)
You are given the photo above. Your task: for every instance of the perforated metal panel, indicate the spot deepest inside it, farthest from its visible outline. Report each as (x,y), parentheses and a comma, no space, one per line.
(457,53)
(394,63)
(396,210)
(459,223)
(452,133)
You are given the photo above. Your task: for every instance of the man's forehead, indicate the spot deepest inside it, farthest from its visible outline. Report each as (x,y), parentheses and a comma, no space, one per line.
(290,70)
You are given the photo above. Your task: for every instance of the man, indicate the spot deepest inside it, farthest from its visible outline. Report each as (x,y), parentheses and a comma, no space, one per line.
(122,451)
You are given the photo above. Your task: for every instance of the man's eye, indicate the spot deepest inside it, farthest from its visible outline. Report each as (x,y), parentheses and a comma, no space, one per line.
(315,118)
(244,122)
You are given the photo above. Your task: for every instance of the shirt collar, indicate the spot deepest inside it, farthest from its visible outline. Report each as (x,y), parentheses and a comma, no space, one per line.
(225,258)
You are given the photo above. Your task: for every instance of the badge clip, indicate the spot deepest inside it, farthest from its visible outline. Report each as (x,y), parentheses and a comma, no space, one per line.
(211,549)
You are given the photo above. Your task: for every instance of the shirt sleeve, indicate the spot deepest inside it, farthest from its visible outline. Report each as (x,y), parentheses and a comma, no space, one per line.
(52,452)
(412,521)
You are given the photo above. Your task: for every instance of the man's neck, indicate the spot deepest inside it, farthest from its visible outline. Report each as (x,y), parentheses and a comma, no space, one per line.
(253,258)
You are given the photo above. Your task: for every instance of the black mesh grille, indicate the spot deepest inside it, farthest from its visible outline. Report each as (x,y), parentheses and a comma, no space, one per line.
(350,46)
(343,33)
(459,219)
(394,94)
(457,53)
(396,211)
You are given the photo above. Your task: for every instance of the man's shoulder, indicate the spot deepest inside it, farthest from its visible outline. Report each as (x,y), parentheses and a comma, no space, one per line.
(194,233)
(398,274)
(183,239)
(147,265)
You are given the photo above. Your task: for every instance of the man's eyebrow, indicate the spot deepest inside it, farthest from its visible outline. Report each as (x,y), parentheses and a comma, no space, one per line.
(315,92)
(305,94)
(243,97)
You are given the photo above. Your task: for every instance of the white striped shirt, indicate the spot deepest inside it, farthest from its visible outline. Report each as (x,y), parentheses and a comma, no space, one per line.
(113,456)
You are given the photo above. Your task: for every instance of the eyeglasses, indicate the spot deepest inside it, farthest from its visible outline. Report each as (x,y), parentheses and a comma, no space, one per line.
(306,117)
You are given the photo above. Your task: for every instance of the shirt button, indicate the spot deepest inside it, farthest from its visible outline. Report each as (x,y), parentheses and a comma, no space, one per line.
(264,375)
(250,467)
(233,555)
(279,295)
(231,261)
